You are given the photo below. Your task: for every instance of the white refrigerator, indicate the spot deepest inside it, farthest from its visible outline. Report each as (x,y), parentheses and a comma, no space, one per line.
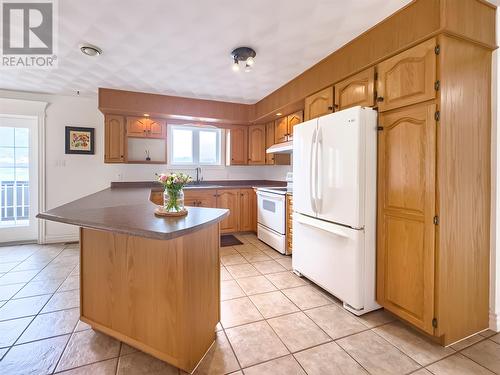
(334,219)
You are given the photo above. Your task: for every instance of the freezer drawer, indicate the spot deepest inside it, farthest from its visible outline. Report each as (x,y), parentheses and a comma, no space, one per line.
(331,256)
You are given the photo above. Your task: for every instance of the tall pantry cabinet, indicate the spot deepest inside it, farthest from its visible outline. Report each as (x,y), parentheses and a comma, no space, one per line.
(434,186)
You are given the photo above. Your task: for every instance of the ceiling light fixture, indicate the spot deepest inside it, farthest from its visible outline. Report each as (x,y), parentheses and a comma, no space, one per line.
(244,56)
(90,50)
(279,114)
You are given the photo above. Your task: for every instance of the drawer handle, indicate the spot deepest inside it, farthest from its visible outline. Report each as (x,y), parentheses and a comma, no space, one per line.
(380,99)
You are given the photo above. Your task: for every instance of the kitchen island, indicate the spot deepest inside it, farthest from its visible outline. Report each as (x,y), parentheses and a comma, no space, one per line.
(150,282)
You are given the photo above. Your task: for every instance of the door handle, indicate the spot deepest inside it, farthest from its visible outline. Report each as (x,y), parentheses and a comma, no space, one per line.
(319,165)
(312,172)
(319,224)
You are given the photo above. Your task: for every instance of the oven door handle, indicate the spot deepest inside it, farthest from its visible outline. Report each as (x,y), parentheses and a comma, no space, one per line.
(273,196)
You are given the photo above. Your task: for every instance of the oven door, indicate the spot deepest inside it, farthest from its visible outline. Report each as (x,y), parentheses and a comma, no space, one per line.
(271,211)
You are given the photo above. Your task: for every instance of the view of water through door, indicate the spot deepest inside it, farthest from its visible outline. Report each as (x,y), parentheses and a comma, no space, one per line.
(18,178)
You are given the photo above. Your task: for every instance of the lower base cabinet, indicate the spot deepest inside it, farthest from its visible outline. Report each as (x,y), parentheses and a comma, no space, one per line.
(230,199)
(241,203)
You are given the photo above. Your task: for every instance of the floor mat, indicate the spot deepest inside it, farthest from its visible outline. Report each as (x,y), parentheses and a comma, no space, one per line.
(229,240)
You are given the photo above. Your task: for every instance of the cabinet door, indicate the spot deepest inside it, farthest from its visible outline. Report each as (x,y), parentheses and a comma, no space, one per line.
(406,209)
(238,145)
(114,139)
(294,119)
(206,198)
(248,210)
(137,126)
(319,104)
(200,197)
(281,130)
(257,144)
(157,128)
(269,142)
(407,78)
(289,223)
(190,197)
(230,199)
(156,197)
(356,90)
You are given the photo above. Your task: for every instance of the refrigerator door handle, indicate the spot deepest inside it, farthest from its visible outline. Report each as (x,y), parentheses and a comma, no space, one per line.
(320,224)
(312,172)
(319,167)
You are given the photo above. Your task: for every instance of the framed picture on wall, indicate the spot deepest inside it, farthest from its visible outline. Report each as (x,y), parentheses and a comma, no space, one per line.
(79,140)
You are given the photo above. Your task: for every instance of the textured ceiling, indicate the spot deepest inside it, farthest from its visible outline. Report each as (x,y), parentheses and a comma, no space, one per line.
(182,47)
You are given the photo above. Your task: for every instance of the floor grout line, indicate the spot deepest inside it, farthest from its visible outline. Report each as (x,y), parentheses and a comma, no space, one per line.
(331,302)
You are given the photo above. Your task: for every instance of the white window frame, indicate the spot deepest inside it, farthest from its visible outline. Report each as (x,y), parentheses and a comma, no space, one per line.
(196,128)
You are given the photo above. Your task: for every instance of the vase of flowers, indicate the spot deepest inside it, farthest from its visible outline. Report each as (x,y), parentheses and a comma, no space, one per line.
(173,195)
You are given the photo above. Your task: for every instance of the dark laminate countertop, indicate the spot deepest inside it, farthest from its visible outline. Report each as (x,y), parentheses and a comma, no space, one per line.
(216,184)
(128,210)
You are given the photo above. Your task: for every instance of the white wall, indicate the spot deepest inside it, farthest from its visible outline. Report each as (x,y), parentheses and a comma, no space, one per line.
(69,177)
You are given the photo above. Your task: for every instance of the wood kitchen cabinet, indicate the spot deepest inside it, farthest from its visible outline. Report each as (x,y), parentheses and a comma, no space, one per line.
(238,145)
(356,90)
(242,204)
(200,197)
(269,142)
(248,210)
(319,104)
(230,199)
(281,130)
(257,144)
(289,223)
(434,188)
(146,127)
(274,159)
(284,126)
(292,120)
(407,190)
(114,139)
(407,78)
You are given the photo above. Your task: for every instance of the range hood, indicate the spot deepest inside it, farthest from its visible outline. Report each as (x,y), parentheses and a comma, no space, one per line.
(281,148)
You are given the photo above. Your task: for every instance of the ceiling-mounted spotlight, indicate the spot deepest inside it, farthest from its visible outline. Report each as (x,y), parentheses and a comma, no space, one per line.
(90,50)
(243,55)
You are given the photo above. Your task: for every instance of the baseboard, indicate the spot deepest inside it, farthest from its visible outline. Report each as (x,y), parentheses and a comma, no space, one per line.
(494,321)
(60,238)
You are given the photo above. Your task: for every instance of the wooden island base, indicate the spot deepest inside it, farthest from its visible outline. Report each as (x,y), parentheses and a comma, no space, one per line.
(159,296)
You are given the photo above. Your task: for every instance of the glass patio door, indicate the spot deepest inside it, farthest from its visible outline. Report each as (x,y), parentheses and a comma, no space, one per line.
(18,178)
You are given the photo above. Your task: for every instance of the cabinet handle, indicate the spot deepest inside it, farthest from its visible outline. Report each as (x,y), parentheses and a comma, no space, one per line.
(336,106)
(380,99)
(330,108)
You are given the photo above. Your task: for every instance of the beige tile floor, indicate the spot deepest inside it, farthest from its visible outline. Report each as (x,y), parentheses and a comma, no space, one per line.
(272,323)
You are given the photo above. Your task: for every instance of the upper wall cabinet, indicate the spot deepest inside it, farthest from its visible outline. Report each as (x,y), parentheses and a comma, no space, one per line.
(356,90)
(146,127)
(114,139)
(284,126)
(278,159)
(237,146)
(292,120)
(269,142)
(257,144)
(407,78)
(281,130)
(319,104)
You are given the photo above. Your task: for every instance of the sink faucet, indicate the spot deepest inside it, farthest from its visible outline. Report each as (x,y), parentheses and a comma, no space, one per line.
(199,178)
